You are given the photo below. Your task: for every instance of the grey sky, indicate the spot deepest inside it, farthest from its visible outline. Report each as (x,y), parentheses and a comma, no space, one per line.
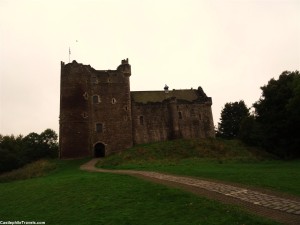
(228,47)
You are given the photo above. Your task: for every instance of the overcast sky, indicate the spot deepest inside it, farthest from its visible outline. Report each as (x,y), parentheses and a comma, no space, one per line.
(229,47)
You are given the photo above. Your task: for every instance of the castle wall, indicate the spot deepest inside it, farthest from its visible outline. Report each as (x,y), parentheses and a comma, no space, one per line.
(74,127)
(95,108)
(150,122)
(154,122)
(196,121)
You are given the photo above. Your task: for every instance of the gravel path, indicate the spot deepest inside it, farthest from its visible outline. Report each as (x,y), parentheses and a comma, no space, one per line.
(284,209)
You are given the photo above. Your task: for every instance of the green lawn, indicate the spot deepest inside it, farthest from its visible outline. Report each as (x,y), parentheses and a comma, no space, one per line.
(275,175)
(214,159)
(70,196)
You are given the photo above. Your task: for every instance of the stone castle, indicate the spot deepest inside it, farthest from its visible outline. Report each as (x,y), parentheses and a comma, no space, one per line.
(99,115)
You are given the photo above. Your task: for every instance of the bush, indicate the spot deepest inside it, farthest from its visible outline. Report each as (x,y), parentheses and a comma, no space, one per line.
(16,151)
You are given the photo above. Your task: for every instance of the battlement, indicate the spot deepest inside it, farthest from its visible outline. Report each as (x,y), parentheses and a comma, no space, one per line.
(123,68)
(124,61)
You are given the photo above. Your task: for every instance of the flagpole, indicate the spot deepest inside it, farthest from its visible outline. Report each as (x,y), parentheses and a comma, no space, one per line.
(69,54)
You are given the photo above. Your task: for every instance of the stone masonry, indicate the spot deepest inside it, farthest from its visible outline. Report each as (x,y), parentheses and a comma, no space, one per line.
(99,115)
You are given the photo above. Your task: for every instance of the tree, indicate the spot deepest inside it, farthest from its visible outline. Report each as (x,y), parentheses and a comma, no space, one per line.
(278,113)
(250,131)
(49,142)
(232,115)
(49,137)
(10,150)
(41,145)
(16,151)
(34,149)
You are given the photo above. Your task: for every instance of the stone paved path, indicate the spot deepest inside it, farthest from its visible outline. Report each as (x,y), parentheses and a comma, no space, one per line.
(255,198)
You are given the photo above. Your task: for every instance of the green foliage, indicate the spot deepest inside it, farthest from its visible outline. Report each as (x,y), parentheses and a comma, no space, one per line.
(34,169)
(250,131)
(70,196)
(18,151)
(278,113)
(10,152)
(232,115)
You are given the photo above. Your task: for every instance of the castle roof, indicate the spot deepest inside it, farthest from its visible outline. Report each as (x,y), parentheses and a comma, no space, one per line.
(189,95)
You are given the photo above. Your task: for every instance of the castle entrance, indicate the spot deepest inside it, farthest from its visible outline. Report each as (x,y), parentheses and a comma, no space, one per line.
(99,150)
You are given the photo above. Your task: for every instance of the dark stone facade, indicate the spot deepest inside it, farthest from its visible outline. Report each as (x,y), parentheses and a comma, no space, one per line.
(99,115)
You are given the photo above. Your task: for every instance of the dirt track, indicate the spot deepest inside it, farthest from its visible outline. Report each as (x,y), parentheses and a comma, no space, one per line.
(276,206)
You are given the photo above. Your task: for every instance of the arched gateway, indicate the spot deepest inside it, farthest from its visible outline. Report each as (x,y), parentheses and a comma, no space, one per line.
(99,150)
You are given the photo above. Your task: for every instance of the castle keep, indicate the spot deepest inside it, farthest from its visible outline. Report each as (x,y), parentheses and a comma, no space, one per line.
(99,115)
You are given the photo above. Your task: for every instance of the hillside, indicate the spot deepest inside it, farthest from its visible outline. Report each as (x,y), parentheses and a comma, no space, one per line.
(226,160)
(176,150)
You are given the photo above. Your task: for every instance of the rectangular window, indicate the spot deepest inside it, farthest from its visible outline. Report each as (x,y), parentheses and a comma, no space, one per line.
(179,115)
(96,99)
(99,127)
(193,114)
(141,120)
(94,80)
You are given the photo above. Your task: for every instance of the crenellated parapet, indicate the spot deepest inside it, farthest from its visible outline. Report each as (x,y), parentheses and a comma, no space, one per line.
(125,67)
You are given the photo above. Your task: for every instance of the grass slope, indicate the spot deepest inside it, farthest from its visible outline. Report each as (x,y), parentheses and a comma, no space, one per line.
(71,196)
(215,159)
(35,169)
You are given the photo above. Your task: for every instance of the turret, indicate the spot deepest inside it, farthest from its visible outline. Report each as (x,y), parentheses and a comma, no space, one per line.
(175,132)
(125,68)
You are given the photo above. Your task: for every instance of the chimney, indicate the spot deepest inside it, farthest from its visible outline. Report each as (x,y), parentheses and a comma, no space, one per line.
(166,88)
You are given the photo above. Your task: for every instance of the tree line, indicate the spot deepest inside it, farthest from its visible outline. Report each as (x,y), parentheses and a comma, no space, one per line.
(275,122)
(16,151)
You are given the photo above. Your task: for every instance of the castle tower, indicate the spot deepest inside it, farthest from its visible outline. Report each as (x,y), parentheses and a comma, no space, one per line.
(174,115)
(95,110)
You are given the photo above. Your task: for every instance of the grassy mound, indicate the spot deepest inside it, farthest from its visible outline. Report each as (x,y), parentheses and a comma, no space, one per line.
(227,160)
(176,150)
(34,169)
